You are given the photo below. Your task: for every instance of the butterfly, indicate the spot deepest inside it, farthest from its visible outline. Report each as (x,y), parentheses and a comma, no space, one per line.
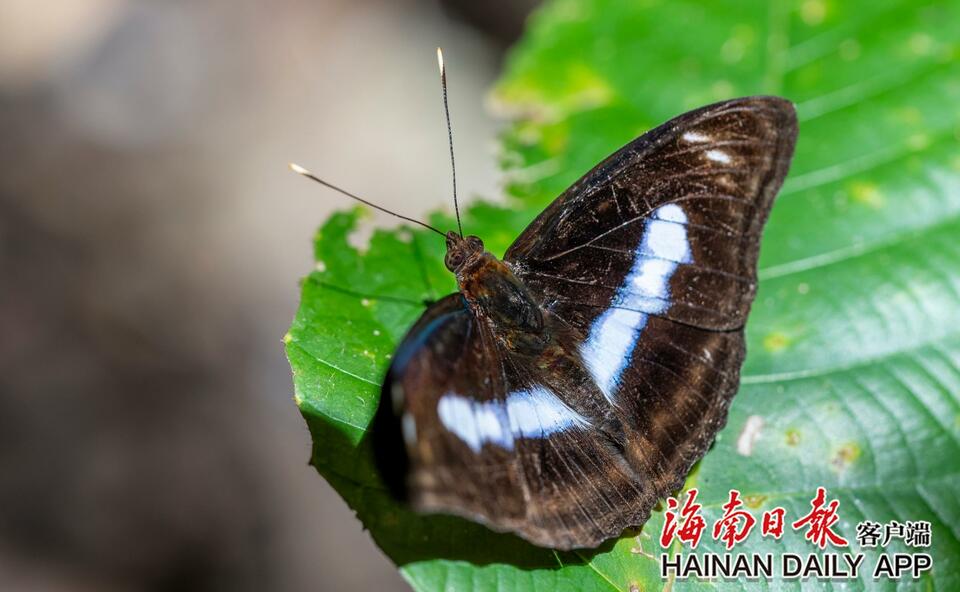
(571,384)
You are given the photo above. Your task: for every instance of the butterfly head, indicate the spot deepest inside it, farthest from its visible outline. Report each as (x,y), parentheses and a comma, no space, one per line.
(461,250)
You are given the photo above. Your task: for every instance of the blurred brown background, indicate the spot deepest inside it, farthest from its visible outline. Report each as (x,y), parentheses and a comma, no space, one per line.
(151,239)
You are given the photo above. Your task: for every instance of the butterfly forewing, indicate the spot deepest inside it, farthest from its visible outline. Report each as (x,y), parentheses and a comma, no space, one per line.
(670,224)
(643,273)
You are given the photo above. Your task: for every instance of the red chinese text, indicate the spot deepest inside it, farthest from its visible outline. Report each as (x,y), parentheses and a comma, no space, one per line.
(688,526)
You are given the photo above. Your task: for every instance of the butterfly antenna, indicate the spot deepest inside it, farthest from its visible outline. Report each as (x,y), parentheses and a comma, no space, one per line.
(302,171)
(446,110)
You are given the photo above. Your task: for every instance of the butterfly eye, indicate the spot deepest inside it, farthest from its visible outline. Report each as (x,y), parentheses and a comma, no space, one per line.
(454,260)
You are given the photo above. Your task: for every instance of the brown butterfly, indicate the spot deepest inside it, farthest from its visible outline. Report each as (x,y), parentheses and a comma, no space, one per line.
(570,385)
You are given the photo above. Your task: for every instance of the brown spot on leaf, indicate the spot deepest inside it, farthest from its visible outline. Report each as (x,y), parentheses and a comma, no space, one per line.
(845,456)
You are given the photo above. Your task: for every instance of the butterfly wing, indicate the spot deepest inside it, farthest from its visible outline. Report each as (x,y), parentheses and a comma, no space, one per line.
(693,193)
(486,436)
(651,258)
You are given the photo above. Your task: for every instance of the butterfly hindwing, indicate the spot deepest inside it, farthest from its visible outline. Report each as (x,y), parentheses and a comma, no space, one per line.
(487,436)
(437,443)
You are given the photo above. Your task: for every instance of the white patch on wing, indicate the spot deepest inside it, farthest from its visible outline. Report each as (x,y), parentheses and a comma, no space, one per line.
(609,346)
(489,418)
(718,156)
(645,290)
(533,413)
(665,240)
(670,213)
(695,137)
(538,412)
(456,414)
(650,279)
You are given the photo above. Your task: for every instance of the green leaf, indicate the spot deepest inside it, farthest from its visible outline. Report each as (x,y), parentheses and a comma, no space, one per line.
(854,340)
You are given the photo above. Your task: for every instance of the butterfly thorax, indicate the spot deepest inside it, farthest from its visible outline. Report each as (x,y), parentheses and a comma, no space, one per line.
(492,290)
